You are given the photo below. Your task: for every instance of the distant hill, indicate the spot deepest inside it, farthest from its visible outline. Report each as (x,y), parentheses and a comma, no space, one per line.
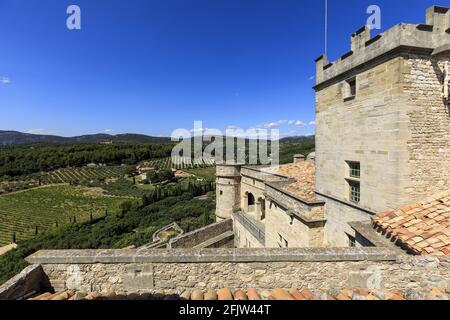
(15,137)
(299,139)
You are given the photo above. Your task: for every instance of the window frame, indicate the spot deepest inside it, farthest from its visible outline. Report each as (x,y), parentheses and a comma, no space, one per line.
(353,170)
(354,192)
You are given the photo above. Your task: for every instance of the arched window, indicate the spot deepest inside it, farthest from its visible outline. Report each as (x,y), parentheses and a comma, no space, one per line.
(251,199)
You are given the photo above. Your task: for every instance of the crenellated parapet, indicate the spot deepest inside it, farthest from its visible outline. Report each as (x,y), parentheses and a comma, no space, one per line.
(430,38)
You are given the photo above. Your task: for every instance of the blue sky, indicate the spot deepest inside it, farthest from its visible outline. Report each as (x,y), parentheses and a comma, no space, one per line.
(151,66)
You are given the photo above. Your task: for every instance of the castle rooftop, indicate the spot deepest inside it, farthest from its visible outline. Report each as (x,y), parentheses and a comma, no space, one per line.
(430,38)
(302,183)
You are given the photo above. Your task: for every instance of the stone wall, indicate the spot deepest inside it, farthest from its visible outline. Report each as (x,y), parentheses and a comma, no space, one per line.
(248,235)
(192,239)
(371,129)
(282,228)
(429,142)
(397,125)
(330,269)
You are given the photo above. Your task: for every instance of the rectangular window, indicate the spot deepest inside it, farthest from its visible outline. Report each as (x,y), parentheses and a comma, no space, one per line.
(352,85)
(355,191)
(355,169)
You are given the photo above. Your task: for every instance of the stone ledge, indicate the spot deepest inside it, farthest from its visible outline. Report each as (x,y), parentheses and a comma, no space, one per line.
(211,255)
(29,280)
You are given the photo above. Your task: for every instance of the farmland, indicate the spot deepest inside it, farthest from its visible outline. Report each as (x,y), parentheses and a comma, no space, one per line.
(47,207)
(178,163)
(82,174)
(68,175)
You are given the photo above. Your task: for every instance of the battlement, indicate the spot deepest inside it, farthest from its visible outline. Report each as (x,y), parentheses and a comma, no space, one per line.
(429,39)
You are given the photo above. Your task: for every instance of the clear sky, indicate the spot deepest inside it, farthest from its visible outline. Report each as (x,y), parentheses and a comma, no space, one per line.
(151,66)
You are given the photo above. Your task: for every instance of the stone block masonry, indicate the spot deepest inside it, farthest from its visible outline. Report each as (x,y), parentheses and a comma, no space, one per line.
(328,269)
(197,237)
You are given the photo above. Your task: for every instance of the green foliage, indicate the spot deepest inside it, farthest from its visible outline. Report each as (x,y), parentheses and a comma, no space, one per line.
(133,227)
(292,146)
(160,175)
(21,160)
(22,212)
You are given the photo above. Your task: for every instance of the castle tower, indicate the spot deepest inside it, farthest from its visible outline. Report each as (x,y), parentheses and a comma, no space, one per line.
(383,122)
(228,179)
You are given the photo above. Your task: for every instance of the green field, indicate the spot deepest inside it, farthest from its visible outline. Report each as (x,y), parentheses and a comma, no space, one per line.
(73,175)
(44,207)
(68,175)
(178,163)
(206,173)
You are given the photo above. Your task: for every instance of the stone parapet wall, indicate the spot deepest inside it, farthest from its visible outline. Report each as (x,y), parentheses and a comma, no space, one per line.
(402,37)
(31,279)
(330,269)
(258,174)
(309,211)
(197,237)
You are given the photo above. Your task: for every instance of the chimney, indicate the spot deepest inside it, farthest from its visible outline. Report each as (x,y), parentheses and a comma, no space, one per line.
(439,18)
(299,158)
(360,37)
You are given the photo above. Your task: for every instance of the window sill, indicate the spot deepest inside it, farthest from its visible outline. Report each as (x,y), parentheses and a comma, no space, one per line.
(349,98)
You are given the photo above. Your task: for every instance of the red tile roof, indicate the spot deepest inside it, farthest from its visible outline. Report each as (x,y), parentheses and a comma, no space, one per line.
(422,228)
(304,175)
(252,294)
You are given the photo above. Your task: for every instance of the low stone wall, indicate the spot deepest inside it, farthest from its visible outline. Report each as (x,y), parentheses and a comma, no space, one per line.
(329,269)
(192,239)
(31,279)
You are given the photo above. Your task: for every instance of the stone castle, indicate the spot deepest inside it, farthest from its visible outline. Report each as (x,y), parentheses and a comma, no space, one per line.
(373,201)
(382,143)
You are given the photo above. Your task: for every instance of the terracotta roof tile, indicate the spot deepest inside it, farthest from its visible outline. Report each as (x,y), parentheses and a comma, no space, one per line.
(252,294)
(422,228)
(303,173)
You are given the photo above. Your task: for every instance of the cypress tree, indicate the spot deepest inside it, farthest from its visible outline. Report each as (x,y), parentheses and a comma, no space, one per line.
(14,237)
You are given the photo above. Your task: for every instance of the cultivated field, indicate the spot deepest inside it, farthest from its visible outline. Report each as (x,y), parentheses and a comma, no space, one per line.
(74,175)
(47,207)
(179,163)
(68,175)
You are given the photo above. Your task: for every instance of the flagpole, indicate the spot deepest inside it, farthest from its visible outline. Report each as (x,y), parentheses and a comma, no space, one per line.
(326,27)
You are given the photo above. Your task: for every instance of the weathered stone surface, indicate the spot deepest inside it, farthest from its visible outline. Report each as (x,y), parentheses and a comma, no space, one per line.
(30,279)
(192,239)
